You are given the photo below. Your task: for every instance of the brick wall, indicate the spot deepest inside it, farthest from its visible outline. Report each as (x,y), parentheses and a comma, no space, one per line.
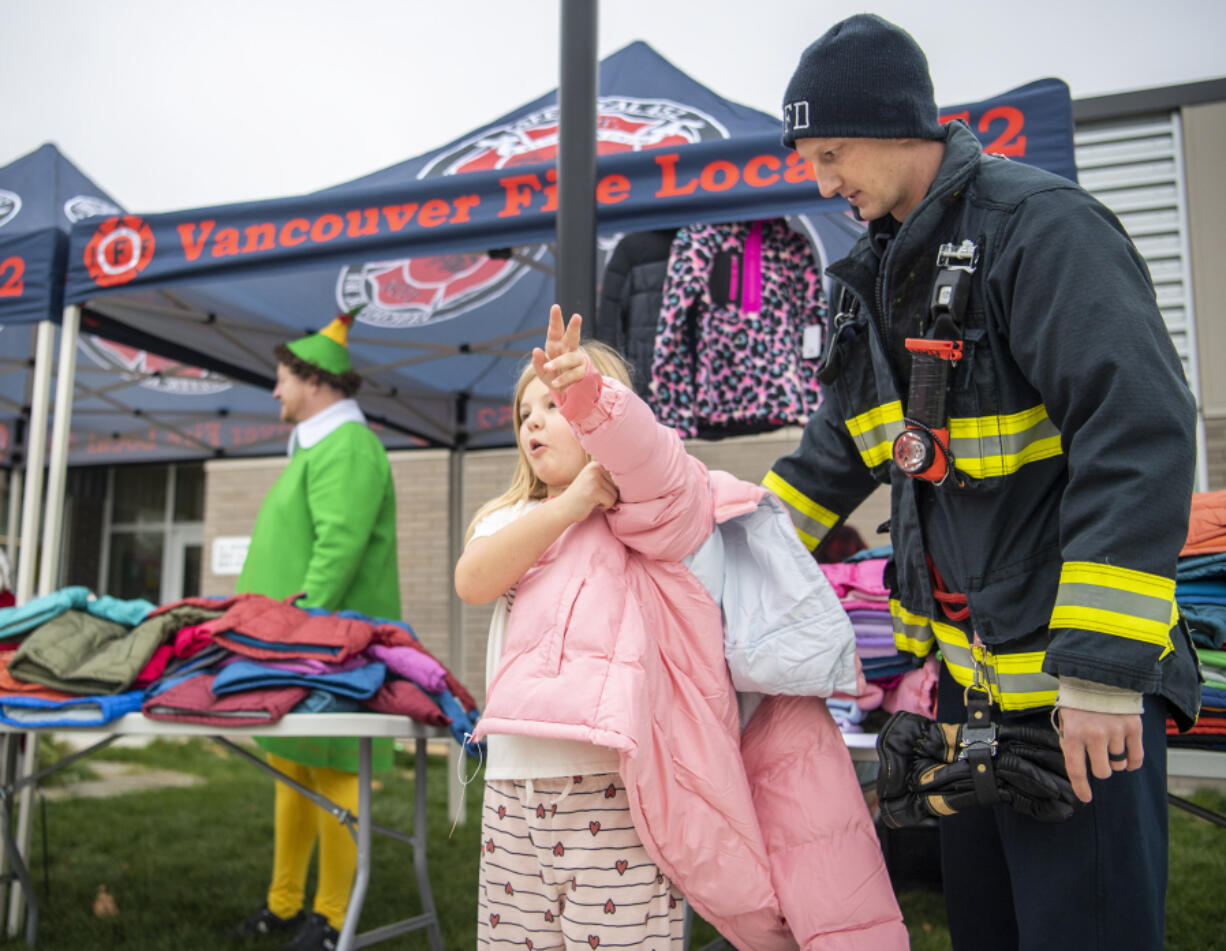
(234,490)
(1215,451)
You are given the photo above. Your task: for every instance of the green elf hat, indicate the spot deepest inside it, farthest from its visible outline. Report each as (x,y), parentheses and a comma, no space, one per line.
(328,349)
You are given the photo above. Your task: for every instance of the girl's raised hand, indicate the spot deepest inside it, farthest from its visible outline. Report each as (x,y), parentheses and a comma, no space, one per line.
(560,364)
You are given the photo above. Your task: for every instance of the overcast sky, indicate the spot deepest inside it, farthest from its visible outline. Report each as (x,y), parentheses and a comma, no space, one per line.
(171,104)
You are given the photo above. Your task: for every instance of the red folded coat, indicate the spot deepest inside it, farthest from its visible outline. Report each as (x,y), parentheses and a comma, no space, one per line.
(288,632)
(405,698)
(192,701)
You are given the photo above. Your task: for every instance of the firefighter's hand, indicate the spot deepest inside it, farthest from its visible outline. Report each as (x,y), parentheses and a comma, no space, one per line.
(1109,741)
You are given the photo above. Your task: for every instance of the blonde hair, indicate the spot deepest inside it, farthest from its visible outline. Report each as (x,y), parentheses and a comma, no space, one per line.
(525,485)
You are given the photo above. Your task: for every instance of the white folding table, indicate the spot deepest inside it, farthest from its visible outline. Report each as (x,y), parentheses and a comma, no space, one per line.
(364,726)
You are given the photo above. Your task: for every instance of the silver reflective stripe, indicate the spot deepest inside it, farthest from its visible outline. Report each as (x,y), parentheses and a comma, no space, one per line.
(874,432)
(811,520)
(987,446)
(1016,680)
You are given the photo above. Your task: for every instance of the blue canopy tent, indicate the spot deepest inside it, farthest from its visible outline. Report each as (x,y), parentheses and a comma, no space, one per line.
(449,253)
(129,405)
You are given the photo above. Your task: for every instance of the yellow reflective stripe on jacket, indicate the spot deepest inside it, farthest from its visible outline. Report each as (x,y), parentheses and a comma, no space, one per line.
(1015,680)
(912,632)
(812,521)
(982,446)
(986,446)
(1116,601)
(874,432)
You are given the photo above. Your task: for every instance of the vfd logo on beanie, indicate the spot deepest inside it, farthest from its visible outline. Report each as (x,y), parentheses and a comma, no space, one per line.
(796,117)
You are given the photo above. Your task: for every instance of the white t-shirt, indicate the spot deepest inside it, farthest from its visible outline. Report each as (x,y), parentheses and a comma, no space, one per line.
(509,756)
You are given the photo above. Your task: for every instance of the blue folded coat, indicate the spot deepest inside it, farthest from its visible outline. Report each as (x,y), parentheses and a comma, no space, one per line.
(358,683)
(18,710)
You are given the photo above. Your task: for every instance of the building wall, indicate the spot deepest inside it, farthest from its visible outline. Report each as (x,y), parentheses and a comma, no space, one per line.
(234,490)
(1204,141)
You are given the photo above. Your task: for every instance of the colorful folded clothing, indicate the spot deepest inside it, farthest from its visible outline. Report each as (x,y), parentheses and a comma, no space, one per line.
(1206,524)
(412,664)
(321,701)
(192,701)
(15,621)
(307,666)
(1199,567)
(861,580)
(1207,623)
(402,698)
(81,654)
(463,720)
(31,712)
(10,684)
(266,629)
(358,683)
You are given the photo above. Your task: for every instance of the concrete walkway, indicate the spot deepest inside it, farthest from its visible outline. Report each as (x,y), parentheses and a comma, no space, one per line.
(115,779)
(112,778)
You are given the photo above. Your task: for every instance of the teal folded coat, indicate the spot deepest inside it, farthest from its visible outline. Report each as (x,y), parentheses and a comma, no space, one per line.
(17,621)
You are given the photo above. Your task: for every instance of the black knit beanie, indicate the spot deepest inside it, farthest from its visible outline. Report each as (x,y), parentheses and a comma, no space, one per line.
(864,79)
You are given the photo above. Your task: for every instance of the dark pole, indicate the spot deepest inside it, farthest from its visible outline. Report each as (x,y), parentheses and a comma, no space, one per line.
(576,227)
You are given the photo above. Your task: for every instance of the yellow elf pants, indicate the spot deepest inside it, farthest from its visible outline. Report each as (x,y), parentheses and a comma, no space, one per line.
(297,823)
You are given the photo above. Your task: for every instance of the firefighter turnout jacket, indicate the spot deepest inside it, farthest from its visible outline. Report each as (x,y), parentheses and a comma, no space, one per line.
(1071,427)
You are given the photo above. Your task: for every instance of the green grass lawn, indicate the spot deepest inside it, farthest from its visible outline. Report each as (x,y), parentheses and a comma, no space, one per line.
(185,864)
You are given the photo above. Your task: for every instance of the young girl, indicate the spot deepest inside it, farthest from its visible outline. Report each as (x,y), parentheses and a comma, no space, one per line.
(617,766)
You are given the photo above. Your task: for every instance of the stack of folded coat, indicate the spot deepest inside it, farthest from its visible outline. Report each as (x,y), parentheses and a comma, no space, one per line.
(70,659)
(892,680)
(281,658)
(865,598)
(1200,592)
(75,660)
(863,595)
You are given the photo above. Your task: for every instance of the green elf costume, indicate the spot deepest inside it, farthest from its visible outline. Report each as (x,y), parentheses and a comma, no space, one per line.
(327,528)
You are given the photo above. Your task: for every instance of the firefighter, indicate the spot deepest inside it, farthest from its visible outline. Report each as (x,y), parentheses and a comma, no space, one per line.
(998,358)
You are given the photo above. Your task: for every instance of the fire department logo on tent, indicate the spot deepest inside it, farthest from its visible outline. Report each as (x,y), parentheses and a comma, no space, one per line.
(151,371)
(80,207)
(416,291)
(120,249)
(10,204)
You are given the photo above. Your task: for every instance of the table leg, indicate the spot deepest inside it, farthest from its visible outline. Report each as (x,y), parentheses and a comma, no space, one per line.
(8,792)
(362,876)
(419,848)
(21,892)
(6,743)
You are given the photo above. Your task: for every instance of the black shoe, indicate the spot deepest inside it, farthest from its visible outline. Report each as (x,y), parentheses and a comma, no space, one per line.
(265,922)
(314,935)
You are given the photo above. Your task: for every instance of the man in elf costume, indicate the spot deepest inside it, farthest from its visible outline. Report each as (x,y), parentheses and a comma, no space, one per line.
(326,528)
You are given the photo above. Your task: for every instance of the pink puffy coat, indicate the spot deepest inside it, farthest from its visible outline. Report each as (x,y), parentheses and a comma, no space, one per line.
(613,641)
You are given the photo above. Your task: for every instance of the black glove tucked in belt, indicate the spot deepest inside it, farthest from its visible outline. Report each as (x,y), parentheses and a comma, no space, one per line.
(936,769)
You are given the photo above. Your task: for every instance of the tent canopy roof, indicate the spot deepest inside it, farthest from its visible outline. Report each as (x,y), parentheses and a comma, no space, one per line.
(450,251)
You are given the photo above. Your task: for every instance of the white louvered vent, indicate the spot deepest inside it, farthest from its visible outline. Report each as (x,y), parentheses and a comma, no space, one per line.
(1135,167)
